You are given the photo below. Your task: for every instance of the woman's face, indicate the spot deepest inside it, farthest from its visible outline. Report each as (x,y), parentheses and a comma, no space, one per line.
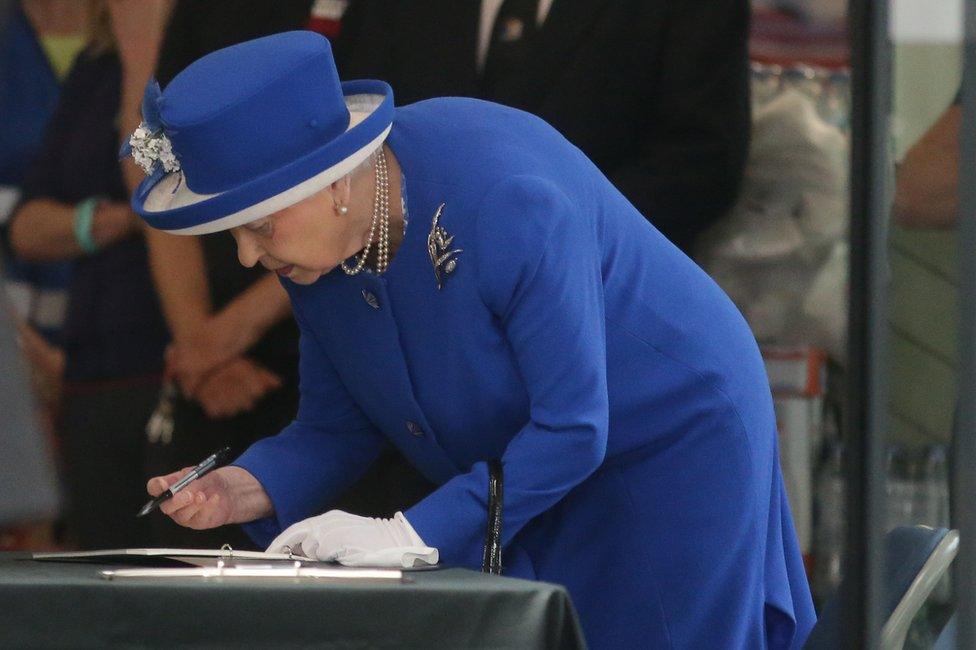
(303,241)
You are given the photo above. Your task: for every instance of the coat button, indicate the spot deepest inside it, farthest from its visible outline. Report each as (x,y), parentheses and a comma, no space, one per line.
(415,429)
(371,299)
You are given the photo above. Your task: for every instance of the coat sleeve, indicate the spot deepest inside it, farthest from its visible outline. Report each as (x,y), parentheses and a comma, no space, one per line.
(692,156)
(323,451)
(539,271)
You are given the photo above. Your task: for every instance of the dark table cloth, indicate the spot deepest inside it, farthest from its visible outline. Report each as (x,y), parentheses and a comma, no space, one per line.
(62,604)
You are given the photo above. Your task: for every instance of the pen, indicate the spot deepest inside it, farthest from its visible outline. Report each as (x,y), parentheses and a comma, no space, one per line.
(211,462)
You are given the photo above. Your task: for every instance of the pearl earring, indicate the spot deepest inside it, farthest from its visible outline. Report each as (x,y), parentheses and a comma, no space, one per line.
(343,209)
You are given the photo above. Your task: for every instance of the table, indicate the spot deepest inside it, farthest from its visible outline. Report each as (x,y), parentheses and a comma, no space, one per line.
(69,604)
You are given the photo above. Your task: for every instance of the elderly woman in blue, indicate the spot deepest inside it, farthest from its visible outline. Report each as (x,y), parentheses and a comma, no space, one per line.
(470,287)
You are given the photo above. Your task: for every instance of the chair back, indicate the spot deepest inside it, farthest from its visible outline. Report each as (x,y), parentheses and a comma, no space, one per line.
(915,559)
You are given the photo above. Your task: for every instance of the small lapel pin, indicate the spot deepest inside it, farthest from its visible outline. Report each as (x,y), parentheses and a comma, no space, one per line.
(438,243)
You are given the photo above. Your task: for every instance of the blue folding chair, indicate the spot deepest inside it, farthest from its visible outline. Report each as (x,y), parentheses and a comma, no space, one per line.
(916,559)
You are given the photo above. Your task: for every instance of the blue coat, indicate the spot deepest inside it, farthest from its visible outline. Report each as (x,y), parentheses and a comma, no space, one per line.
(621,388)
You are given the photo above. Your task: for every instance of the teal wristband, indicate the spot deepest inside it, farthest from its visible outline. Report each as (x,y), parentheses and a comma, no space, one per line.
(84,217)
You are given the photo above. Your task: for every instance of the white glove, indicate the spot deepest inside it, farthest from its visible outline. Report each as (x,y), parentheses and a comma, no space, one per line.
(356,541)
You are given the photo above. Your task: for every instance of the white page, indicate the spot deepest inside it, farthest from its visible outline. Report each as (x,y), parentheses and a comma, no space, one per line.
(337,573)
(173,553)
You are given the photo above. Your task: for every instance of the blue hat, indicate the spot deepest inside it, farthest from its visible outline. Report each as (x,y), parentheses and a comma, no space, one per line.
(252,129)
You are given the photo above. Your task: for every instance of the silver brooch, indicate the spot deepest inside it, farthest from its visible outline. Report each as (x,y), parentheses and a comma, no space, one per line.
(438,243)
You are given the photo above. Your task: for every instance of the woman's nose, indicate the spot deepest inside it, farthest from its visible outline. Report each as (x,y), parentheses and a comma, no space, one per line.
(248,252)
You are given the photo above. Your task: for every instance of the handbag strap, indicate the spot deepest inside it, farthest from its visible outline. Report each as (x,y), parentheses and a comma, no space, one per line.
(492,559)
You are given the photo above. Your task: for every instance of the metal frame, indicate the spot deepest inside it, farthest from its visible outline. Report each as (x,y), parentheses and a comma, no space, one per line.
(964,438)
(865,421)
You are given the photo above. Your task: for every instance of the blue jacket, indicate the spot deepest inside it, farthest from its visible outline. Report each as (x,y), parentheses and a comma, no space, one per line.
(29,93)
(620,387)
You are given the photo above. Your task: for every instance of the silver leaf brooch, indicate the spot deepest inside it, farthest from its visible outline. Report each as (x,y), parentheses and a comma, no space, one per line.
(439,248)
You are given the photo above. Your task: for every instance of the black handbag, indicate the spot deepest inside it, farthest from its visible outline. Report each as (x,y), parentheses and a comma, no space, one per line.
(492,559)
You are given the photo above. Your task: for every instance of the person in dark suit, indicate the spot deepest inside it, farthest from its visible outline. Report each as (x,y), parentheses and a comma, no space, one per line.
(674,73)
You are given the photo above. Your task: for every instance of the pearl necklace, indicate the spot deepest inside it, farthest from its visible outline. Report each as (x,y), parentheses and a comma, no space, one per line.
(381,221)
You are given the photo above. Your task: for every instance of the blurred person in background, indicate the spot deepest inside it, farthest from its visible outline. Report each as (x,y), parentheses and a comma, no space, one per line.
(676,74)
(28,485)
(924,285)
(39,40)
(927,184)
(74,207)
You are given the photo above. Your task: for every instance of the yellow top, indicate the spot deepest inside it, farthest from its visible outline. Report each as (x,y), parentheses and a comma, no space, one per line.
(61,52)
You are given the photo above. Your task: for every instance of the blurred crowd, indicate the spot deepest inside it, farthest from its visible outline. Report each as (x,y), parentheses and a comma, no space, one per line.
(149,351)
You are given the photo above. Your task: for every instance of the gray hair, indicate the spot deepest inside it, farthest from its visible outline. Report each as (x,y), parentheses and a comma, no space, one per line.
(366,164)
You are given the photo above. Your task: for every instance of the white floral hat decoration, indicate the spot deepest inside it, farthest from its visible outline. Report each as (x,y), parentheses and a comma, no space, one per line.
(149,145)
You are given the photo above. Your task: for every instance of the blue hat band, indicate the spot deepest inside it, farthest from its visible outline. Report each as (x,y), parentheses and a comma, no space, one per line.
(253,138)
(172,205)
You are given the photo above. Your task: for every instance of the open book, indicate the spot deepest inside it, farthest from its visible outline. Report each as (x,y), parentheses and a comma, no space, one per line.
(163,557)
(222,563)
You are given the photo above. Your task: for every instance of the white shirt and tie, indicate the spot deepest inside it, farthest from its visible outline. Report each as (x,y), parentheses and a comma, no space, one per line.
(489,12)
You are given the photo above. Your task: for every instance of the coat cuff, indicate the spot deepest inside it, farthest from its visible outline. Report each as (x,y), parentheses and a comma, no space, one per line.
(453,518)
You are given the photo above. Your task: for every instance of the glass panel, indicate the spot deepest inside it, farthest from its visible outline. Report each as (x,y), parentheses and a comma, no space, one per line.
(882,417)
(922,294)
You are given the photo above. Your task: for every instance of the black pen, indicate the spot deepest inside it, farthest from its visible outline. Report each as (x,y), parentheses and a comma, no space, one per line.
(211,462)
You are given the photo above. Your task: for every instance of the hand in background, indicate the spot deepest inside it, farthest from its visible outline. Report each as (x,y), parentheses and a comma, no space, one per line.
(234,388)
(47,373)
(214,342)
(229,495)
(114,220)
(46,362)
(204,340)
(191,361)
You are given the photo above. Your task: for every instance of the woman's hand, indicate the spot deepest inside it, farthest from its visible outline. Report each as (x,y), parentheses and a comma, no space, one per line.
(356,541)
(227,334)
(235,388)
(194,359)
(217,340)
(229,495)
(46,363)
